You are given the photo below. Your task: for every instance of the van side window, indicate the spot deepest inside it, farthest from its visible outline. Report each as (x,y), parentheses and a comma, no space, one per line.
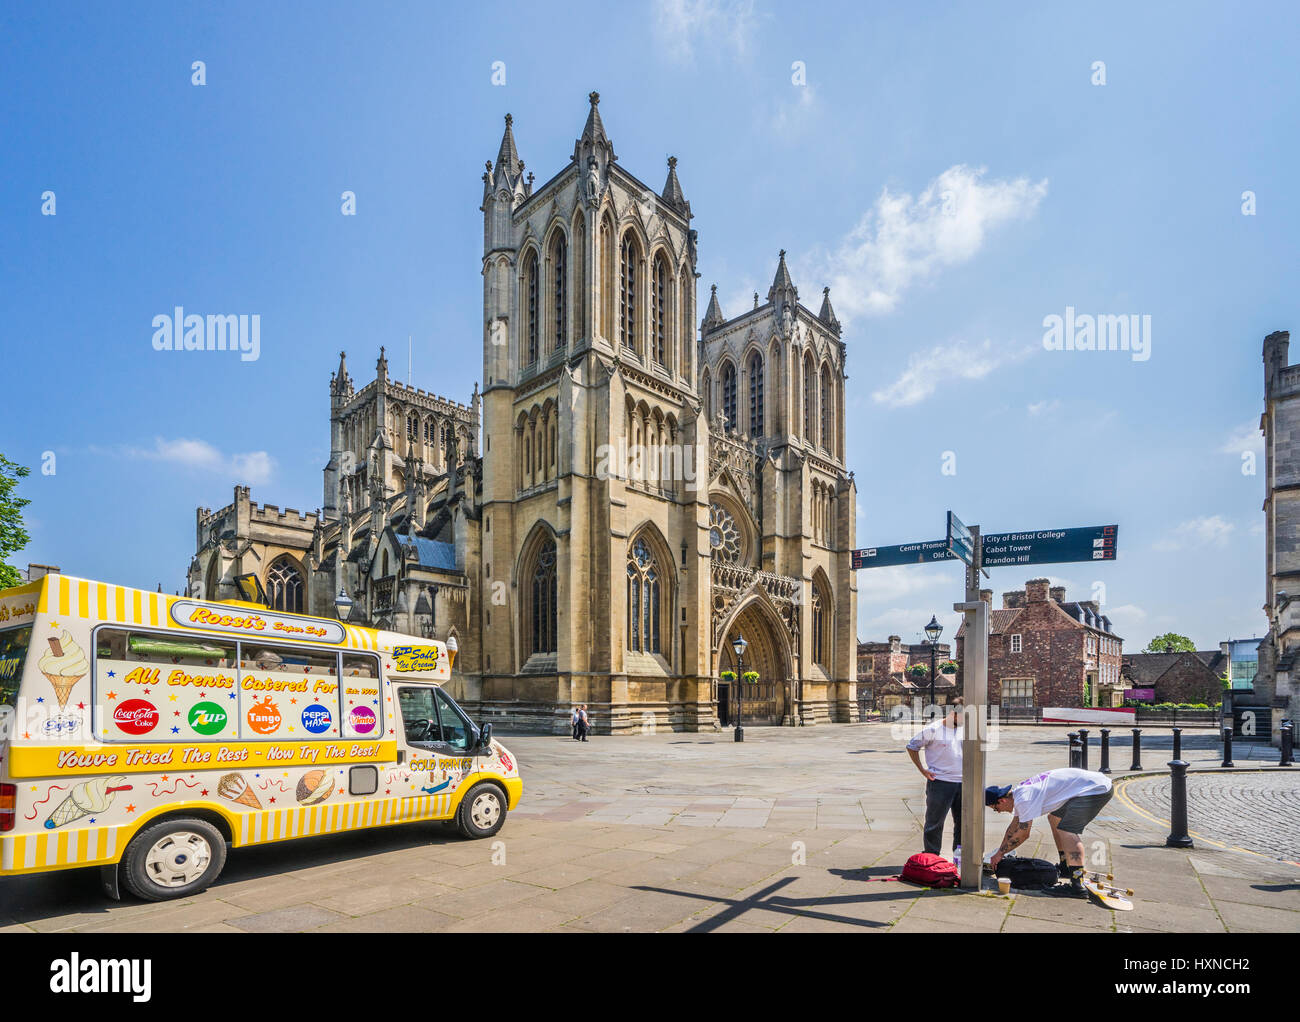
(455,727)
(284,690)
(159,687)
(362,714)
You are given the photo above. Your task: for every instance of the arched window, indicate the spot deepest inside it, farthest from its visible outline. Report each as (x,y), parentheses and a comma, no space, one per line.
(820,616)
(607,282)
(659,311)
(530,307)
(809,400)
(412,426)
(756,395)
(729,396)
(580,275)
(688,323)
(284,587)
(627,314)
(642,599)
(827,439)
(542,598)
(559,290)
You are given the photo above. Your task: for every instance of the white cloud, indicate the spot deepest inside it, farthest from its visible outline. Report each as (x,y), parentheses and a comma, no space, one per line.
(1043,407)
(903,240)
(790,118)
(1196,532)
(1245,437)
(927,371)
(253,467)
(725,24)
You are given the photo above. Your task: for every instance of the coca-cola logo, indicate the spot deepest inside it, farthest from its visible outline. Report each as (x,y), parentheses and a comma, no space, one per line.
(135,716)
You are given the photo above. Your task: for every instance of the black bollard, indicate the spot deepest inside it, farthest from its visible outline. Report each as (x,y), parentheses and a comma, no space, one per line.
(1137,749)
(1178,836)
(1083,749)
(1072,760)
(1227,748)
(1105,750)
(1286,759)
(1178,743)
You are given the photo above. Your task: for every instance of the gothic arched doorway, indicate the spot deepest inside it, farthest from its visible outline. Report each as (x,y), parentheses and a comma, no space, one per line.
(766,701)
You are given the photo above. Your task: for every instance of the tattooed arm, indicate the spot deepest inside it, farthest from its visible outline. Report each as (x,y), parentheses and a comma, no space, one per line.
(1014,838)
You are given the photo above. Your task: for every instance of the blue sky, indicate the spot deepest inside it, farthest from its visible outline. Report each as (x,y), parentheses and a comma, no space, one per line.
(952,171)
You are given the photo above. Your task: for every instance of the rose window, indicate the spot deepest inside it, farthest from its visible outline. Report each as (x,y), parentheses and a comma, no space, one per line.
(724,536)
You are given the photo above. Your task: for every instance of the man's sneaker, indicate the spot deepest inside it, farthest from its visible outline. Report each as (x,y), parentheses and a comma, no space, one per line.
(1069,889)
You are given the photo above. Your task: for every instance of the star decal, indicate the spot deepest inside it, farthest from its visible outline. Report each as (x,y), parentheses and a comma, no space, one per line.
(231,696)
(34,787)
(112,695)
(172,697)
(54,624)
(272,801)
(293,700)
(81,706)
(204,791)
(92,819)
(40,699)
(130,808)
(176,730)
(176,713)
(164,777)
(146,691)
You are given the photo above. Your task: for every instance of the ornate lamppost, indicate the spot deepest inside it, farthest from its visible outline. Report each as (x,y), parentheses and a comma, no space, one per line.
(932,632)
(738,646)
(343,604)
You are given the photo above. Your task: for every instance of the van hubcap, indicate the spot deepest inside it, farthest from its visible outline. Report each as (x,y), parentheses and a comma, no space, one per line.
(485,811)
(178,859)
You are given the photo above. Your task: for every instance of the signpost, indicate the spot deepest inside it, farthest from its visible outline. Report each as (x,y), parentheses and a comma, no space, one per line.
(1041,546)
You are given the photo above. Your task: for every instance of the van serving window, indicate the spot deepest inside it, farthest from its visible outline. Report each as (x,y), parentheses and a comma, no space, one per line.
(287,692)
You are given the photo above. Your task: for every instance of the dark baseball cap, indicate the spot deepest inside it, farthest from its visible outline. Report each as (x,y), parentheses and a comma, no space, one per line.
(995,792)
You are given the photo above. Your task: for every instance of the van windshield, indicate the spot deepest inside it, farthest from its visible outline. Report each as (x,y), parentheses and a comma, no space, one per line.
(13,653)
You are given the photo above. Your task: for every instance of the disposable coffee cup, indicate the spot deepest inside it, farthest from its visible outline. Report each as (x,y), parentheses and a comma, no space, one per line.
(1004,885)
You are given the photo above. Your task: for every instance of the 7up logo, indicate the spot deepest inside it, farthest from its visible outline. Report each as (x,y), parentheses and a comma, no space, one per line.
(207,718)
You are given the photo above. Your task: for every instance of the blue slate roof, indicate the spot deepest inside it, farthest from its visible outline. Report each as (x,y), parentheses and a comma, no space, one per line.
(430,553)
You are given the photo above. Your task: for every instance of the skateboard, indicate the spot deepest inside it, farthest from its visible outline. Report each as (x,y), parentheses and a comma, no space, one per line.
(1101,887)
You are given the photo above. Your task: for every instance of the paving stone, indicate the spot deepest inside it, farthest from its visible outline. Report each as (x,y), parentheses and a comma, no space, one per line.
(286,920)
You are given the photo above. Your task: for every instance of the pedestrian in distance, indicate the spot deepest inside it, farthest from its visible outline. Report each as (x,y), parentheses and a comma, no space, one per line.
(941,740)
(584,725)
(1070,799)
(575,718)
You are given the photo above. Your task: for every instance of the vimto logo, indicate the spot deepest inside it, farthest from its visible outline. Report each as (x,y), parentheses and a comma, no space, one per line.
(362,719)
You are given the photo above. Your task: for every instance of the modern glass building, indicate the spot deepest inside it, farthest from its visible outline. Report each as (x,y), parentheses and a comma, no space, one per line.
(1243,662)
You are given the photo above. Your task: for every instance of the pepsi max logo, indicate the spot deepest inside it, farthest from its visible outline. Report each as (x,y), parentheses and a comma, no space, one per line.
(317,719)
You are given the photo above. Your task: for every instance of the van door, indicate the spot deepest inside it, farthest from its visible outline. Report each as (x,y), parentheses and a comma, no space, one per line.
(437,740)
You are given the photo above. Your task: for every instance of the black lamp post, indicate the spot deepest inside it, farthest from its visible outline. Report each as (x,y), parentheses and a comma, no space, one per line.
(738,646)
(932,632)
(343,604)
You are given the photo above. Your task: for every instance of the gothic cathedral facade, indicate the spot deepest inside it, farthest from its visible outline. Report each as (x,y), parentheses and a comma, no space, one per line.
(623,499)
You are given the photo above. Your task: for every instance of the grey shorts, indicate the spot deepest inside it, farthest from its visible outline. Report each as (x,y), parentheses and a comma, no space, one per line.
(1076,813)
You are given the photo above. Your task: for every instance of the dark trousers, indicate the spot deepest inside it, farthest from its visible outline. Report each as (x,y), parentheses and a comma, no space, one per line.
(941,797)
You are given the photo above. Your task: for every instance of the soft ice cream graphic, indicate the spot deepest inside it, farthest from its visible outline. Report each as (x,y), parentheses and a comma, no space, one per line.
(86,799)
(64,664)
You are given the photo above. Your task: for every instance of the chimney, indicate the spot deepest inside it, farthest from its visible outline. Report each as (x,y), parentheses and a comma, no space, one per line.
(1013,599)
(895,644)
(1058,593)
(1036,590)
(987,596)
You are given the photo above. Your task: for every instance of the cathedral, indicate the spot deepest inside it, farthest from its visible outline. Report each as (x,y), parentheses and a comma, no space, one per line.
(623,498)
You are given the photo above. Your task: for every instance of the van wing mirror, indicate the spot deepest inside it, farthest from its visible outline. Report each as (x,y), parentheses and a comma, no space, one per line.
(485,737)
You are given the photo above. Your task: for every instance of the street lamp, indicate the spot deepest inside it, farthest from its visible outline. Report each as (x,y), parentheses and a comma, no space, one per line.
(932,632)
(738,646)
(343,604)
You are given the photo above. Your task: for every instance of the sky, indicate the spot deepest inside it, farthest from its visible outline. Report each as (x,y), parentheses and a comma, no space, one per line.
(957,174)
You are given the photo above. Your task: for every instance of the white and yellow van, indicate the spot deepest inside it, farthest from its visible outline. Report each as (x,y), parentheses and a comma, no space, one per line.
(143,733)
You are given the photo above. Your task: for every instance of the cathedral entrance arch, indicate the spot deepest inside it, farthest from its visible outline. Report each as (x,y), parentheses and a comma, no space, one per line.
(768,700)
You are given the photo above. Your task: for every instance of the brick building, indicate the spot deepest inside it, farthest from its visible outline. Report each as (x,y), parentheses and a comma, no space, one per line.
(1047,651)
(883,681)
(1178,677)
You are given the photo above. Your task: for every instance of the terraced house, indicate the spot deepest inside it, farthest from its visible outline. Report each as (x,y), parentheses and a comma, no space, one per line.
(625,496)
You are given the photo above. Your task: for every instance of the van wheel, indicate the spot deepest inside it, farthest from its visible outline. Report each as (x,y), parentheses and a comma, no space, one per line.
(482,811)
(173,858)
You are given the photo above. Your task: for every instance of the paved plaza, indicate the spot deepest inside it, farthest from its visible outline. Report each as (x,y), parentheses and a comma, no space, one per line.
(788,832)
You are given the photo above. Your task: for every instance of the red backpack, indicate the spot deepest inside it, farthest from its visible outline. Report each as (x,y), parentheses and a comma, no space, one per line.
(931,871)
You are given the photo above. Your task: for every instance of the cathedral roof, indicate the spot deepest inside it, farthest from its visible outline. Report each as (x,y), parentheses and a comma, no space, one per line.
(431,553)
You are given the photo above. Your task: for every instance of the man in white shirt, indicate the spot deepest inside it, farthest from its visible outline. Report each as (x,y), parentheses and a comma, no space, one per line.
(941,740)
(1069,798)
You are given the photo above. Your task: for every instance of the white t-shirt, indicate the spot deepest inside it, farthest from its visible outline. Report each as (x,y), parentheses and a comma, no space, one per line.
(1046,793)
(942,745)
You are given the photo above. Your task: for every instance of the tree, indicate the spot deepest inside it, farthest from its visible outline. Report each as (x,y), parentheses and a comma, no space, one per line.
(1170,642)
(13,537)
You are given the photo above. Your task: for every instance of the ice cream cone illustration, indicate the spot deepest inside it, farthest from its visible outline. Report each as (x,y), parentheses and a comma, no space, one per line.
(235,788)
(86,799)
(64,665)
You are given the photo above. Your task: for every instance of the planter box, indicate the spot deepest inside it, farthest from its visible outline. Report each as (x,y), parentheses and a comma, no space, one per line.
(1205,718)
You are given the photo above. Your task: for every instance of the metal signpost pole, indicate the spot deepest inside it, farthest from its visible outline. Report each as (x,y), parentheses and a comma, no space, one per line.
(975,691)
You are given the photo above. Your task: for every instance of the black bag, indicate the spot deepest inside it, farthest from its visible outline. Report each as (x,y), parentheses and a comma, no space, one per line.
(1028,874)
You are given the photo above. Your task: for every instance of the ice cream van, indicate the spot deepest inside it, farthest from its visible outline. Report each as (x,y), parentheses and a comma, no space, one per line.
(146,734)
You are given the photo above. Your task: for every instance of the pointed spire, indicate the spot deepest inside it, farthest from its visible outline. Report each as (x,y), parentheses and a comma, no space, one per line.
(381,365)
(782,282)
(594,130)
(827,315)
(713,314)
(340,382)
(672,193)
(508,155)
